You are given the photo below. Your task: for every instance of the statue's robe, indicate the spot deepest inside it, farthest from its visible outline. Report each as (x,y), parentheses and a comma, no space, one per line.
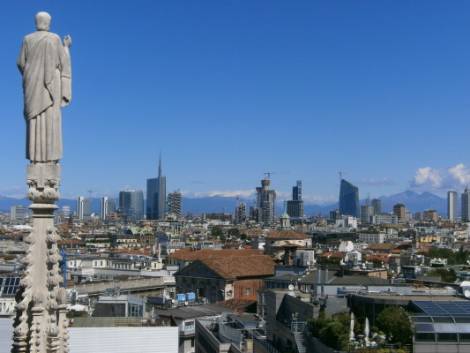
(45,65)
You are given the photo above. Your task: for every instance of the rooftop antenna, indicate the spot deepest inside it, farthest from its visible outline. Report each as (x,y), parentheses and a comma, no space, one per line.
(268,174)
(340,173)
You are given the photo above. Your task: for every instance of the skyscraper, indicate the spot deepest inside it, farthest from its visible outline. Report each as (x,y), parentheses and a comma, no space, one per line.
(367,211)
(452,205)
(265,201)
(376,206)
(156,195)
(240,213)
(295,207)
(83,208)
(349,199)
(174,203)
(399,210)
(106,208)
(131,204)
(466,205)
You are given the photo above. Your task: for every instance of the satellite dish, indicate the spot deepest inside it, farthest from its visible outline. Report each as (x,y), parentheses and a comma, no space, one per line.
(291,287)
(466,292)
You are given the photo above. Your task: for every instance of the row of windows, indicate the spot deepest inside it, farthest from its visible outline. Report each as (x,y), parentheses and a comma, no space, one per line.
(442,337)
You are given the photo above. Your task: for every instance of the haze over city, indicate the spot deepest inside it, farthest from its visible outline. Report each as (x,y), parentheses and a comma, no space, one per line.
(377,90)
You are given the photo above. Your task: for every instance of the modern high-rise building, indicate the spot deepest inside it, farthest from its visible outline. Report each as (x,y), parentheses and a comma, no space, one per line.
(240,213)
(349,199)
(107,207)
(131,204)
(66,211)
(83,208)
(367,211)
(265,202)
(452,205)
(399,210)
(156,195)
(19,213)
(376,206)
(295,207)
(174,203)
(466,205)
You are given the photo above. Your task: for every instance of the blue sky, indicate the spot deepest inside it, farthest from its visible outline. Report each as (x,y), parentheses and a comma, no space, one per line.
(227,90)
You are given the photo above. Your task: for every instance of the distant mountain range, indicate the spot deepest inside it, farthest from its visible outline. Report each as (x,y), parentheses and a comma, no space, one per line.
(196,205)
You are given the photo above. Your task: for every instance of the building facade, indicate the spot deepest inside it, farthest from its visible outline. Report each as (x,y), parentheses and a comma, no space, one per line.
(131,204)
(466,206)
(265,202)
(174,203)
(295,207)
(83,208)
(156,195)
(452,205)
(349,199)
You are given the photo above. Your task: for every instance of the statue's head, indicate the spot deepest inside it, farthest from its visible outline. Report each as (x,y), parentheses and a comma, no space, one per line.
(43,21)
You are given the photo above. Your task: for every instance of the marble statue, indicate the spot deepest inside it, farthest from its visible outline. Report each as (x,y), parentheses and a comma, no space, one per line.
(44,62)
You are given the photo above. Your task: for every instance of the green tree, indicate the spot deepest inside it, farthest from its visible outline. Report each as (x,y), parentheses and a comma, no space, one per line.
(234,232)
(395,323)
(217,232)
(334,335)
(448,276)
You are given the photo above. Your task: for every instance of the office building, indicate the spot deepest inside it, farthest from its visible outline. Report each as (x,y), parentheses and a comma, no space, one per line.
(295,207)
(156,195)
(131,204)
(66,211)
(107,208)
(367,211)
(83,208)
(240,213)
(265,202)
(430,216)
(399,210)
(466,206)
(376,206)
(452,205)
(174,203)
(349,199)
(19,214)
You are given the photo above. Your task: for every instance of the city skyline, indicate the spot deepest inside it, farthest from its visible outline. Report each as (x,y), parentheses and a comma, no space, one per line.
(399,58)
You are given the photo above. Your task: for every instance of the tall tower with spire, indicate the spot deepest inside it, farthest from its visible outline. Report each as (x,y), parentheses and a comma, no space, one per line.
(156,195)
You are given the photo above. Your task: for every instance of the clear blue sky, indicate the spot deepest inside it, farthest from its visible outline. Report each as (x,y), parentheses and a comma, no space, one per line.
(230,89)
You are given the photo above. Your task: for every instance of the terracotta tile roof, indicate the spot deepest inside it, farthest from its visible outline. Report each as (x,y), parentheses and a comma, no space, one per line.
(286,234)
(241,266)
(378,258)
(193,255)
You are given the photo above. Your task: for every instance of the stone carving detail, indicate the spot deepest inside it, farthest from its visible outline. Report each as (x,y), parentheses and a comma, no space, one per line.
(43,182)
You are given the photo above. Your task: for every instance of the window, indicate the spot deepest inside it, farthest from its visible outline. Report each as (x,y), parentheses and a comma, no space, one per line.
(424,337)
(464,337)
(447,337)
(247,292)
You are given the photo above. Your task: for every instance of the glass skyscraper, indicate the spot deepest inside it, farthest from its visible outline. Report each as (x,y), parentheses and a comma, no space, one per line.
(295,207)
(131,204)
(349,199)
(156,195)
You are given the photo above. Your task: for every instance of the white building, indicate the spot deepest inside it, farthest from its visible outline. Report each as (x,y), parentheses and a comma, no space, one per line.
(372,238)
(452,205)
